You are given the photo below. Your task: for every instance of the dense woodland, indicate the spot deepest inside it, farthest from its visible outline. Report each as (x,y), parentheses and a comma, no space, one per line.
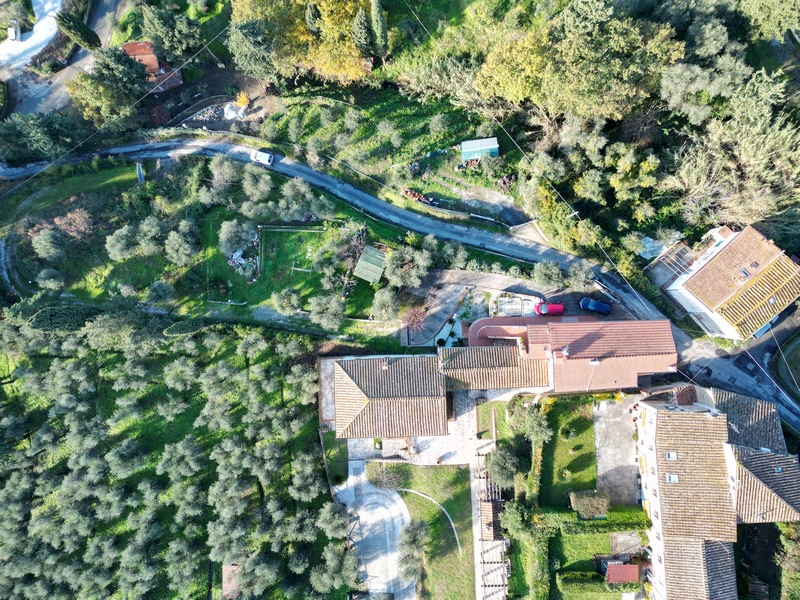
(135,449)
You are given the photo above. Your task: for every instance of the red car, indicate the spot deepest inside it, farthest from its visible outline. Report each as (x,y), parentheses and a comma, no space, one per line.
(547,310)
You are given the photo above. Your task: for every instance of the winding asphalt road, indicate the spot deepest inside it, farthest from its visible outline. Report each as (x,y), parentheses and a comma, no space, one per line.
(703,362)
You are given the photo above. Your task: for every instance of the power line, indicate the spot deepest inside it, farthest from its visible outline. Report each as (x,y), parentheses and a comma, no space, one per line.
(573,211)
(128,108)
(783,356)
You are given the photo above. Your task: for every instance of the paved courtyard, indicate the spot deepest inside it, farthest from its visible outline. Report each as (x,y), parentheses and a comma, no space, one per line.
(617,466)
(380,516)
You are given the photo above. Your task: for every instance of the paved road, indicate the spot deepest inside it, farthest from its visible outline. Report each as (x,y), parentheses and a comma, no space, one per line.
(703,362)
(35,94)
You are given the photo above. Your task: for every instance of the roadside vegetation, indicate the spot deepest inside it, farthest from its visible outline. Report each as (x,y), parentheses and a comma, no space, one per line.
(137,449)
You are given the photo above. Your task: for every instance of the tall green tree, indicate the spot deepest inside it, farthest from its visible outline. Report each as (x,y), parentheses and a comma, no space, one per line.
(121,72)
(252,50)
(78,31)
(586,63)
(362,33)
(770,19)
(177,37)
(380,36)
(101,104)
(312,17)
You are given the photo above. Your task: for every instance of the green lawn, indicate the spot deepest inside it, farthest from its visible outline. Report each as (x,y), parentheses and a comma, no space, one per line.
(575,454)
(485,411)
(575,553)
(449,575)
(336,452)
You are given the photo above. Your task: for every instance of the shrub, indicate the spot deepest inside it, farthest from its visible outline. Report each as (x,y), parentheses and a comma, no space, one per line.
(187,327)
(566,475)
(503,465)
(572,583)
(590,503)
(64,317)
(50,279)
(48,244)
(548,273)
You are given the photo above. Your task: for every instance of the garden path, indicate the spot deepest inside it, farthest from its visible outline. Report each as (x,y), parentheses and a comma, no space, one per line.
(381,515)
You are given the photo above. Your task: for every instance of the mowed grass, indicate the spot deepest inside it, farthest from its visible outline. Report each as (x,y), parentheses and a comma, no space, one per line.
(485,410)
(336,453)
(576,454)
(448,574)
(576,553)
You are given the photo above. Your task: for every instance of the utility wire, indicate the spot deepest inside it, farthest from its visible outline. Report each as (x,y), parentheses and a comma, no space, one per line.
(572,210)
(104,125)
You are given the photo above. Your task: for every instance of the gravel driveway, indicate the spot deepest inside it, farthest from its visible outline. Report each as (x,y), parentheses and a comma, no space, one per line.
(380,517)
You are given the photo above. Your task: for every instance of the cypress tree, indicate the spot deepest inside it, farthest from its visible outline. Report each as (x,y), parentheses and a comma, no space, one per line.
(362,35)
(380,38)
(78,31)
(312,18)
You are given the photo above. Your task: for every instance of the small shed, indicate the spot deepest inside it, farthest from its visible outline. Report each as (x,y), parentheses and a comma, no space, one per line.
(370,265)
(620,573)
(476,149)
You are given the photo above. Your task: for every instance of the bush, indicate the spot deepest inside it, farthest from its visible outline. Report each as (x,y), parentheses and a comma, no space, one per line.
(48,244)
(548,273)
(618,518)
(50,279)
(187,327)
(572,583)
(503,465)
(590,503)
(64,317)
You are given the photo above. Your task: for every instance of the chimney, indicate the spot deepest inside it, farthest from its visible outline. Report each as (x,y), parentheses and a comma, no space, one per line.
(385,365)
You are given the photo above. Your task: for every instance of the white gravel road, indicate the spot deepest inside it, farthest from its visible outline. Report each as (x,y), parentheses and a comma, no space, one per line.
(14,55)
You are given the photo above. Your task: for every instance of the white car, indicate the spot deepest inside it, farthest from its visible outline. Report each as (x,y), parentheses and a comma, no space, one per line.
(262,156)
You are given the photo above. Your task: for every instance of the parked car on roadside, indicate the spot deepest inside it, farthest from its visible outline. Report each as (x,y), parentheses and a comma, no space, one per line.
(544,309)
(595,306)
(262,156)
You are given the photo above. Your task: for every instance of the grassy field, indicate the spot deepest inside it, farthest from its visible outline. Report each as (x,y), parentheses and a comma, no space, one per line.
(575,553)
(336,453)
(485,411)
(575,454)
(448,574)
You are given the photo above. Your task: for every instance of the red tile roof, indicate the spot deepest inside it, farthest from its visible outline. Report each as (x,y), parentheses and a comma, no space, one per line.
(610,355)
(616,573)
(157,72)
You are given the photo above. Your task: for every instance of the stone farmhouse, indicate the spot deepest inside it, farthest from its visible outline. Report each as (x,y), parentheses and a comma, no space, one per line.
(709,460)
(409,396)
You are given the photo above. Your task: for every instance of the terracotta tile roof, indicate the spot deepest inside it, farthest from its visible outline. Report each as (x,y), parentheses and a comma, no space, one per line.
(492,367)
(699,504)
(761,299)
(618,573)
(613,338)
(607,355)
(722,276)
(158,74)
(389,397)
(751,422)
(768,486)
(748,282)
(479,331)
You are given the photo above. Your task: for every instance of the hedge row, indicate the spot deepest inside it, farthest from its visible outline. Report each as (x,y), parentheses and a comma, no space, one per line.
(63,317)
(580,582)
(618,518)
(186,327)
(5,99)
